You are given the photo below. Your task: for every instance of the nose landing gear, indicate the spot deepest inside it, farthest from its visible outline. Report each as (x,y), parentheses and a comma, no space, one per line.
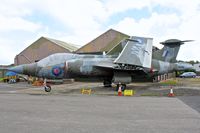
(47,87)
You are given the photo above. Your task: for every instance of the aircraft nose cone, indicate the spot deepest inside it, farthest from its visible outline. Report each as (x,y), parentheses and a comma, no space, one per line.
(27,69)
(17,69)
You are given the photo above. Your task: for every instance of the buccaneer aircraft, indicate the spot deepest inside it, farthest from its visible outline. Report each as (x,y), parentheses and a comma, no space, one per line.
(123,63)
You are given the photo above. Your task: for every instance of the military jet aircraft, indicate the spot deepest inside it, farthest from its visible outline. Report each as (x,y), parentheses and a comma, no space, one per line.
(123,63)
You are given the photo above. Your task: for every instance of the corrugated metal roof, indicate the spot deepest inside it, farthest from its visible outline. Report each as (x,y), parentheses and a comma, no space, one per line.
(65,45)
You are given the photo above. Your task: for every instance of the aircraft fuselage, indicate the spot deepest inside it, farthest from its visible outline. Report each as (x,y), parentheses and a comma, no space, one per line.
(83,66)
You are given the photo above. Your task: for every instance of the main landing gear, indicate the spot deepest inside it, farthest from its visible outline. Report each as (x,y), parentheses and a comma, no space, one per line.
(47,87)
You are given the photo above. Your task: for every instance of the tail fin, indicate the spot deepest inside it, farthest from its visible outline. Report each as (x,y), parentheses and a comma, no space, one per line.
(170,50)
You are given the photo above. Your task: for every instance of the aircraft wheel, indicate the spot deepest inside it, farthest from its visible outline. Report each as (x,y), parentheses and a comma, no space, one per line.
(47,88)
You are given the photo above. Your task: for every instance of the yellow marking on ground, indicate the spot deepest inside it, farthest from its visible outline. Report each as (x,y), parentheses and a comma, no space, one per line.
(129,92)
(86,91)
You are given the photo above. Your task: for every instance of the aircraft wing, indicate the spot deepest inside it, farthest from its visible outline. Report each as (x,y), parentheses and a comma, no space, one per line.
(137,52)
(116,67)
(106,65)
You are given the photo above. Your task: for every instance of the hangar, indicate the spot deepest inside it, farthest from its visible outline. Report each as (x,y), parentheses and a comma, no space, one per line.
(42,48)
(104,42)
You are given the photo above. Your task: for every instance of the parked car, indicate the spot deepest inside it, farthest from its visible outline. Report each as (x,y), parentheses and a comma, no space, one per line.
(188,75)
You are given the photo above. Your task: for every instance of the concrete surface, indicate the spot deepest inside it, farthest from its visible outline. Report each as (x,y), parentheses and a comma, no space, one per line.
(24,113)
(192,101)
(25,108)
(9,88)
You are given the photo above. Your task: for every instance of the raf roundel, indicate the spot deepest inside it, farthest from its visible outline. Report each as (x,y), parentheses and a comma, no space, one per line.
(56,71)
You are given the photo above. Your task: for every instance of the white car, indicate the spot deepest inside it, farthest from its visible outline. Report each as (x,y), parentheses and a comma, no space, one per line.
(188,75)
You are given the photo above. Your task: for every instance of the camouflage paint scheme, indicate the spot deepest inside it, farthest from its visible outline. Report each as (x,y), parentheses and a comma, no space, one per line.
(102,67)
(74,65)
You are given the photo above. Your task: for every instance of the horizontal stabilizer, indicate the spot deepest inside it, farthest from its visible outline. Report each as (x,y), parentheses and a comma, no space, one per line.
(170,50)
(137,52)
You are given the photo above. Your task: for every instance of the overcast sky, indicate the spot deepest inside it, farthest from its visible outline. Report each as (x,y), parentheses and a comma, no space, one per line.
(79,21)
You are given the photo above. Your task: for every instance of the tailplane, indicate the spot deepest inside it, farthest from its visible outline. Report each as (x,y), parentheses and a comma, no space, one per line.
(170,50)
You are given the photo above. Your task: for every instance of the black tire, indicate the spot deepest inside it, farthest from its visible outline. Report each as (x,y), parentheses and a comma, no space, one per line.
(47,88)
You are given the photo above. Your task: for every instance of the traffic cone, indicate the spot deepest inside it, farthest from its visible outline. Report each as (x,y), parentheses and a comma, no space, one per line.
(171,94)
(120,91)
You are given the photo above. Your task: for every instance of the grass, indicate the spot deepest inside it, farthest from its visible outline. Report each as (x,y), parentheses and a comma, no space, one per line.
(194,79)
(1,79)
(169,82)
